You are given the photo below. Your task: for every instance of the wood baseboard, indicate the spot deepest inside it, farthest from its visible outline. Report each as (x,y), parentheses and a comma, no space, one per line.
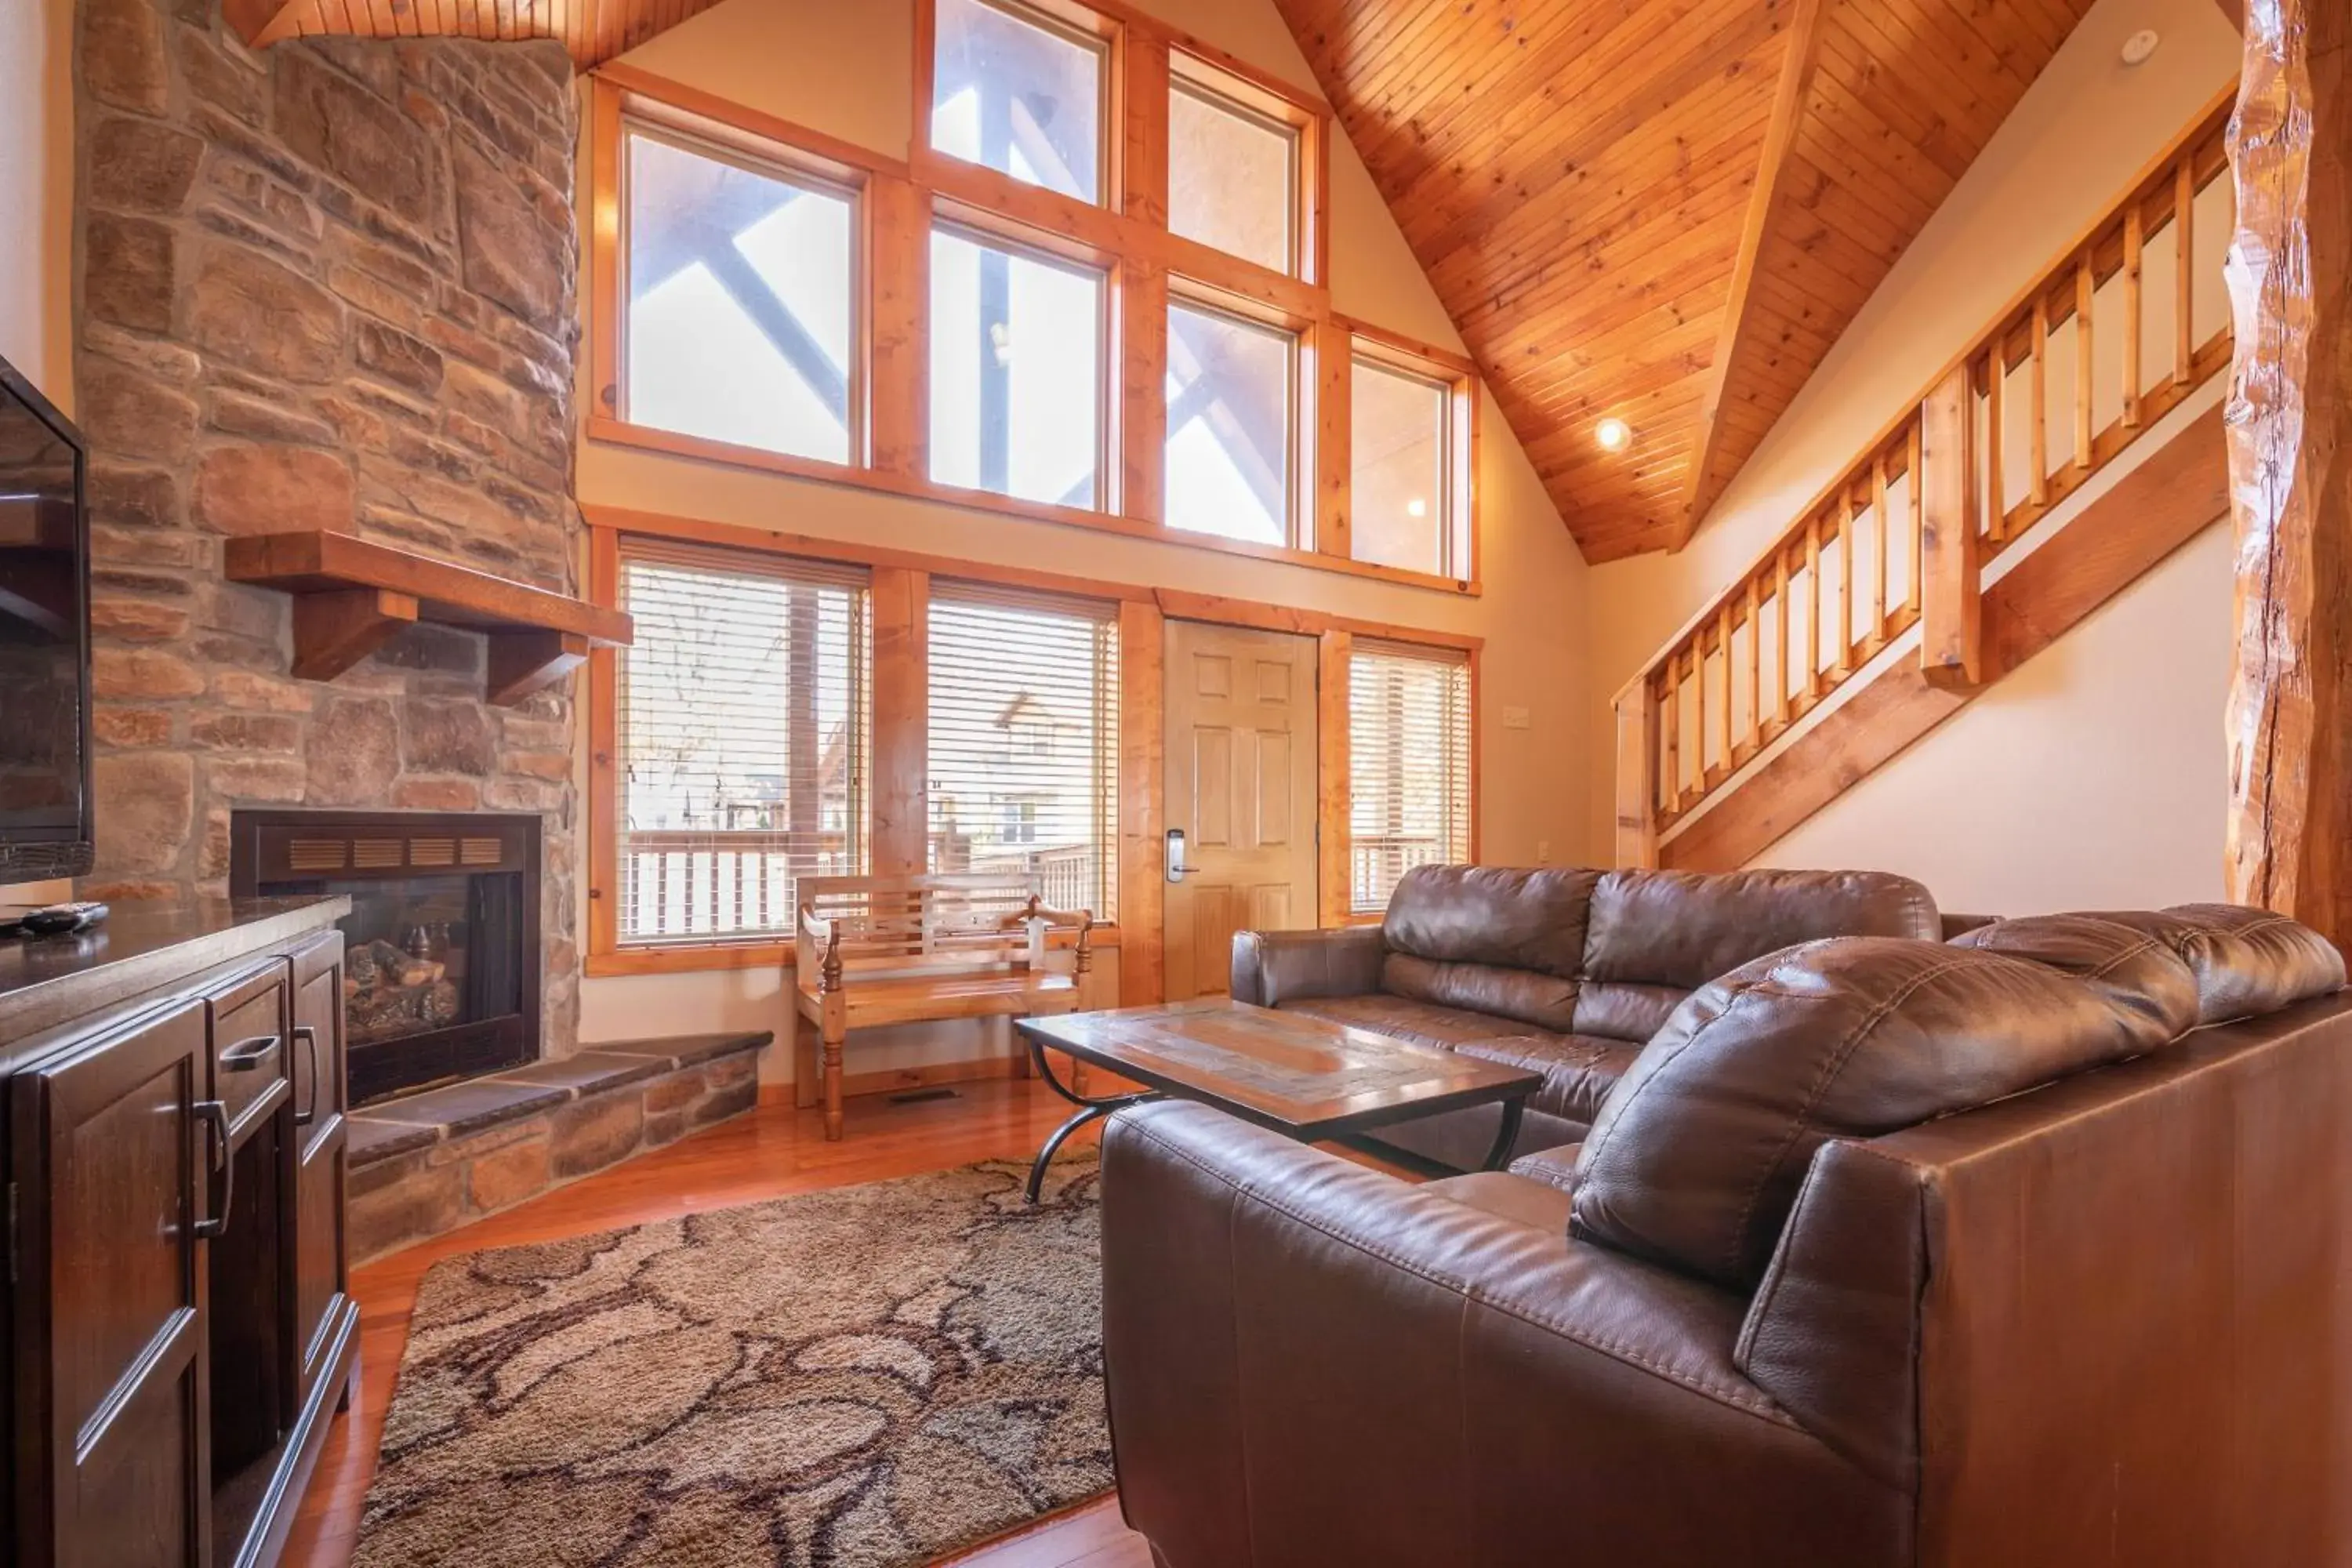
(2179,492)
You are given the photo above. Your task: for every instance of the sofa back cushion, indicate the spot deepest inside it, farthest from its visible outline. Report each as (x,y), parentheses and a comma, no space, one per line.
(1522,995)
(1492,915)
(2244,961)
(1654,937)
(1697,1156)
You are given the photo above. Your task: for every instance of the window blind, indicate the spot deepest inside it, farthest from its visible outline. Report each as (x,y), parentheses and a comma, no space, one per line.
(741,740)
(1408,764)
(1024,740)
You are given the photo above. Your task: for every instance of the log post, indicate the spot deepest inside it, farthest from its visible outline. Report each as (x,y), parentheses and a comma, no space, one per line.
(1951,568)
(2290,412)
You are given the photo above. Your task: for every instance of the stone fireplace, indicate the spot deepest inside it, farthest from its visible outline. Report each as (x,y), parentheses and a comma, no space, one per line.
(327,285)
(441,948)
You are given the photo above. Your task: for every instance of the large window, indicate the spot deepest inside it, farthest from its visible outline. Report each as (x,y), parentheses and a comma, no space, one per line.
(1408,764)
(1232,416)
(740,742)
(1024,740)
(741,289)
(1232,177)
(1094,290)
(1021,93)
(1401,462)
(1017,371)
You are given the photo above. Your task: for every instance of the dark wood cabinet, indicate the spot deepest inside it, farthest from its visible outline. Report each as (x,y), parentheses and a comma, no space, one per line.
(177,1330)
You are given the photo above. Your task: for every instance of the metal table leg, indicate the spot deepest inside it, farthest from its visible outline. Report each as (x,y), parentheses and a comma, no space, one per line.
(1505,1135)
(1090,1110)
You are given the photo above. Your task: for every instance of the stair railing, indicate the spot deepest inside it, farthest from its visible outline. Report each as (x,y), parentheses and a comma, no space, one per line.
(1901,537)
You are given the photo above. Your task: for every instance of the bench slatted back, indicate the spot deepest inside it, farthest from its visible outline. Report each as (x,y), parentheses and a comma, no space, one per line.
(943,923)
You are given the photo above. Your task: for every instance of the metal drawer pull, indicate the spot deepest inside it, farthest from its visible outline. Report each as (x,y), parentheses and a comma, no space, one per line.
(214,1115)
(247,1054)
(307,1035)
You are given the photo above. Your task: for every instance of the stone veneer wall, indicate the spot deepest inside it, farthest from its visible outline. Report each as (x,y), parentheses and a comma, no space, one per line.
(329,285)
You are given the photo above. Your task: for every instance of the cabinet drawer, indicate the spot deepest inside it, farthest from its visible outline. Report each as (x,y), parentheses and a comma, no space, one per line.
(249,1046)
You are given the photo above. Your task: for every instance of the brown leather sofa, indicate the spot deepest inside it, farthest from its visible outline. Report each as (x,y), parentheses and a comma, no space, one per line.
(1567,973)
(2030,1250)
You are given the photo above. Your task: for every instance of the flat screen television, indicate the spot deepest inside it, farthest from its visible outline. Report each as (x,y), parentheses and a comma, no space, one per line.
(44,793)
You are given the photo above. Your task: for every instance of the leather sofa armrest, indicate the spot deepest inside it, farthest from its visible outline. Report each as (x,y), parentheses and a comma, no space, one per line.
(1271,967)
(1312,1361)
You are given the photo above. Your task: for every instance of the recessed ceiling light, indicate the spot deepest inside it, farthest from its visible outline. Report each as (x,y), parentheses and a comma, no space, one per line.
(1416,507)
(2140,44)
(1613,433)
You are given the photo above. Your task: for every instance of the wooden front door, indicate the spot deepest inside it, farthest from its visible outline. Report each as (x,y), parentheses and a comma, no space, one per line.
(1241,786)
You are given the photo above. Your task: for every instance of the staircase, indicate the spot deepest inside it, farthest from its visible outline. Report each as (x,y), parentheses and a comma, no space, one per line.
(1875,616)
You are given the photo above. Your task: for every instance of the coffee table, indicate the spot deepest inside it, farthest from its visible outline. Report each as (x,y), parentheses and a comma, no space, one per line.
(1304,1076)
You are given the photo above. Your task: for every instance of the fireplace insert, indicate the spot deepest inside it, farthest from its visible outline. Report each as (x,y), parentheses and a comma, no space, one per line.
(441,948)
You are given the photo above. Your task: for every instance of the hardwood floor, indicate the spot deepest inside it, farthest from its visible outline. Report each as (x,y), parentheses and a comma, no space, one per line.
(774,1151)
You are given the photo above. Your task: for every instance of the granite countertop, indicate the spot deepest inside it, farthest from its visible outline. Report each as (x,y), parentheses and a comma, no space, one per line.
(48,981)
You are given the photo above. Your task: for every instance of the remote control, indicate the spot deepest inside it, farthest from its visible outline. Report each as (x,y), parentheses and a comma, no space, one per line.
(59,920)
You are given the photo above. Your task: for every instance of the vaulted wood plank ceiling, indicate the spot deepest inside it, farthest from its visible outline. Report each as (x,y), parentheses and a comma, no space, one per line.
(1664,210)
(594,31)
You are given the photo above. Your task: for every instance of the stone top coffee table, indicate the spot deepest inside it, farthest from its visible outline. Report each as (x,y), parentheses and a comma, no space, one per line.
(1304,1076)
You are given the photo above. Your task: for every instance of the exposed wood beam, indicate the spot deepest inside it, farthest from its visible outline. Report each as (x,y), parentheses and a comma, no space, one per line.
(2290,715)
(1735,344)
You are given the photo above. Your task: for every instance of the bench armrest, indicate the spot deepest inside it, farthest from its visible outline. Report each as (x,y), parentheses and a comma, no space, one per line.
(1312,1361)
(1272,967)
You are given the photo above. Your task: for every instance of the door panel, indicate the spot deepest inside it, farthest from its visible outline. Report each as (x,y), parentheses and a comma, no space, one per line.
(1241,750)
(320,1138)
(113,1317)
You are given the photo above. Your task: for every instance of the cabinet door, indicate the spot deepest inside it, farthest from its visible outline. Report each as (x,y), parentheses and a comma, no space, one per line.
(112,1166)
(319,1136)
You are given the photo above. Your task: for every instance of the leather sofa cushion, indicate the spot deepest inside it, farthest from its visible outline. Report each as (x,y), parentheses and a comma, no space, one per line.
(1492,915)
(2246,961)
(1578,1070)
(1527,995)
(1553,1167)
(1697,1154)
(1534,1204)
(1415,1023)
(2135,967)
(1654,936)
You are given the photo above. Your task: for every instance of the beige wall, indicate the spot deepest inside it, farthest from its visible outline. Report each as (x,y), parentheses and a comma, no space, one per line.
(2123,719)
(36,223)
(802,60)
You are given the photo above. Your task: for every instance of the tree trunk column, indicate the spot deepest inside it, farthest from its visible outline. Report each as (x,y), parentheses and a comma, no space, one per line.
(2290,414)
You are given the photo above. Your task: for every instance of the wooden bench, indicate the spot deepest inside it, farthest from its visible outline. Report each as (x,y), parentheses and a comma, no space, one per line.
(919,948)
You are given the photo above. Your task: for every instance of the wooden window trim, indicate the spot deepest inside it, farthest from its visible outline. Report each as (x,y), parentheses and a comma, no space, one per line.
(1254,93)
(899,199)
(1302,398)
(1143,611)
(1459,376)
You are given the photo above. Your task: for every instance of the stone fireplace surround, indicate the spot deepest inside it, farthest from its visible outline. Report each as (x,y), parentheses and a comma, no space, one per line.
(326,285)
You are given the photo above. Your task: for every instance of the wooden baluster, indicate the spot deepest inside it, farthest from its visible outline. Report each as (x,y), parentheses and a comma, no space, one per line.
(2086,287)
(1723,718)
(2184,283)
(1813,610)
(1781,637)
(1698,731)
(2040,488)
(1672,711)
(2133,241)
(1996,490)
(1844,665)
(1878,562)
(1755,662)
(1919,503)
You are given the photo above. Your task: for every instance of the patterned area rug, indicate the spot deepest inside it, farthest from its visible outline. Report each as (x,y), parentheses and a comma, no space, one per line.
(862,1378)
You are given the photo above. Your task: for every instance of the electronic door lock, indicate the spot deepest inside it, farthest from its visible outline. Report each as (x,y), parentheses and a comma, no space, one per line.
(1176,867)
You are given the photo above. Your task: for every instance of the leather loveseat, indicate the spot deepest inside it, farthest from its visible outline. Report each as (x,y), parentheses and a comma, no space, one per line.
(2032,1250)
(1567,973)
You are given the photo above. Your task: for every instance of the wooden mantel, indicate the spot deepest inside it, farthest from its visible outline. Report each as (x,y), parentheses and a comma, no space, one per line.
(352,594)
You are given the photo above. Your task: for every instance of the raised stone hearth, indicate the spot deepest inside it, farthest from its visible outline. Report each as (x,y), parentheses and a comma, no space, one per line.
(327,285)
(427,1164)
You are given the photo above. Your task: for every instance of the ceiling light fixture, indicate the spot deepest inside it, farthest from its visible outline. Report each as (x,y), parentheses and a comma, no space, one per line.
(1416,507)
(1613,433)
(2140,44)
